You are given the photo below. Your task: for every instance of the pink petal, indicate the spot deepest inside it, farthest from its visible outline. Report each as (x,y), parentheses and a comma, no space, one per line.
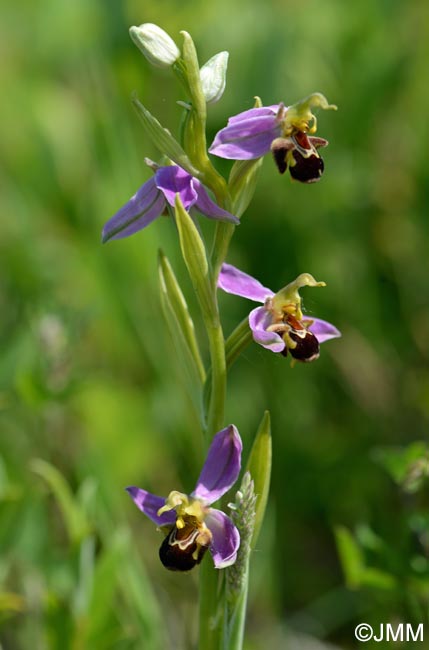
(172,180)
(234,281)
(323,330)
(221,467)
(254,112)
(226,538)
(259,320)
(149,504)
(246,139)
(209,208)
(142,208)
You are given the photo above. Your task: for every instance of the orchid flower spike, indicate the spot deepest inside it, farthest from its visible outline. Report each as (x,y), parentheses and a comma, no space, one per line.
(152,199)
(280,325)
(191,526)
(286,131)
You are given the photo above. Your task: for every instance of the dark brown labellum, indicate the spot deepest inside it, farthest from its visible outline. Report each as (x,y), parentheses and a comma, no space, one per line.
(306,170)
(280,159)
(179,548)
(308,166)
(307,346)
(280,148)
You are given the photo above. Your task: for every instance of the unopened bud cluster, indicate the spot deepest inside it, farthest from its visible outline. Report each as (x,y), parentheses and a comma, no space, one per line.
(243,516)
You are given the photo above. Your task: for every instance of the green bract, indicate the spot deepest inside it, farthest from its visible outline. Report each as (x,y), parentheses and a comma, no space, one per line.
(259,466)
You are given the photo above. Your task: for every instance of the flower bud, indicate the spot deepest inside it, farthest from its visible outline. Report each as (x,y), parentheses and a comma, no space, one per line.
(213,77)
(156,45)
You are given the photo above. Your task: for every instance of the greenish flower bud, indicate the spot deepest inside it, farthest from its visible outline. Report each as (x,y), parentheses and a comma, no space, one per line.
(213,77)
(156,45)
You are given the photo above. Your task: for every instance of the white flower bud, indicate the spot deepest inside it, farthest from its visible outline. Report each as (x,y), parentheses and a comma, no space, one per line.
(213,77)
(156,45)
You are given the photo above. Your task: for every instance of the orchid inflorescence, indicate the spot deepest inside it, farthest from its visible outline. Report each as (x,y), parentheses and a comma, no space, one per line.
(186,184)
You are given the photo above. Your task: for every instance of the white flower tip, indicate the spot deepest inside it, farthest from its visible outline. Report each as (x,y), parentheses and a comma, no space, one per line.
(225,563)
(213,77)
(155,44)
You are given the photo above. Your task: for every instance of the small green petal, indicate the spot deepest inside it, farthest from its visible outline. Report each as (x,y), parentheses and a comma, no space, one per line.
(299,116)
(289,295)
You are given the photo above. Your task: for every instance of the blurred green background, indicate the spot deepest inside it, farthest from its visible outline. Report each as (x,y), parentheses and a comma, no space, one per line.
(91,396)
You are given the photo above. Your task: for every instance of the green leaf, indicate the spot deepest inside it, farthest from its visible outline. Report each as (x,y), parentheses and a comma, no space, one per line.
(378,579)
(259,466)
(351,557)
(163,140)
(194,254)
(116,572)
(144,604)
(74,516)
(105,585)
(85,584)
(175,304)
(242,184)
(408,466)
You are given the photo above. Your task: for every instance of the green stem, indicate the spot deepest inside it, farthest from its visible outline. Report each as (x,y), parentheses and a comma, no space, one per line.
(211,593)
(214,613)
(234,632)
(211,602)
(212,581)
(216,411)
(223,234)
(212,179)
(236,342)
